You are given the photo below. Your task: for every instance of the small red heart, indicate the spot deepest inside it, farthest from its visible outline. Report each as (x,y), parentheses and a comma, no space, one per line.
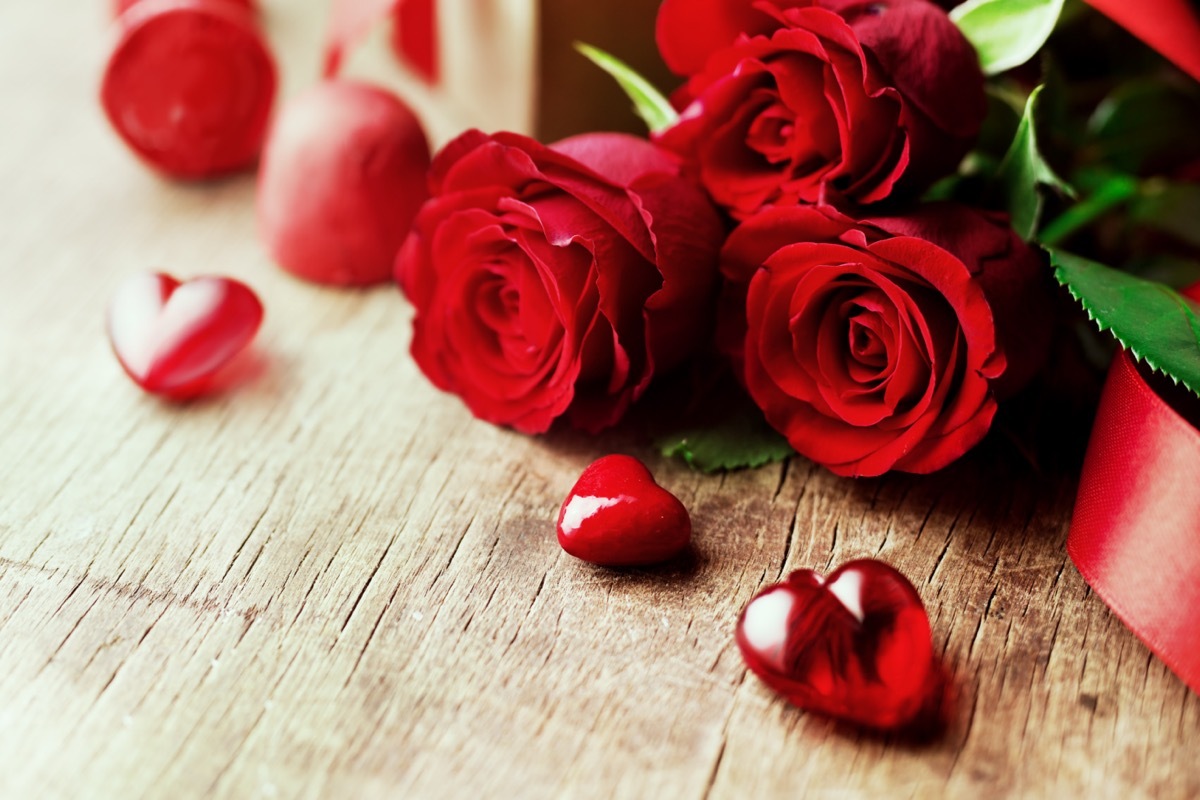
(617,516)
(854,645)
(172,337)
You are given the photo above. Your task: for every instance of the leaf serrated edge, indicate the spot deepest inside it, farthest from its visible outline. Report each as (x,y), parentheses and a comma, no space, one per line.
(1138,357)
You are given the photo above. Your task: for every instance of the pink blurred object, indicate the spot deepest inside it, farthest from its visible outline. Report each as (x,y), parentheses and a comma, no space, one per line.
(121,6)
(335,201)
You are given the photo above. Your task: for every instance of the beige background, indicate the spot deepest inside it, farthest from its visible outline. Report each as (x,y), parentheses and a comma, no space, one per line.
(332,581)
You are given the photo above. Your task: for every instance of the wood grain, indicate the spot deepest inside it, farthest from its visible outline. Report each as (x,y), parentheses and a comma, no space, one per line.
(331,581)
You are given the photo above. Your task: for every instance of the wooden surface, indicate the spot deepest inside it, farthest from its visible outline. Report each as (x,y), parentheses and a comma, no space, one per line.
(331,581)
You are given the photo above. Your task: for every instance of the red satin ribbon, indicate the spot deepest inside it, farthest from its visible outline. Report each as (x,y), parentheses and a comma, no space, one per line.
(1135,534)
(415,37)
(1172,27)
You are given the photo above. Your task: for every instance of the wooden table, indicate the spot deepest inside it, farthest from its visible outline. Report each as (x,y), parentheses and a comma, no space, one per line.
(332,581)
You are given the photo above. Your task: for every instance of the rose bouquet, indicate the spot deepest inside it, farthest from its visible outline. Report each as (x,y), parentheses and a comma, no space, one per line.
(889,184)
(857,209)
(873,331)
(901,183)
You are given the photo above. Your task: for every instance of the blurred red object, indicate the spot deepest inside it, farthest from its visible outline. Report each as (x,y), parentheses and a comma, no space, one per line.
(414,37)
(121,6)
(189,85)
(335,201)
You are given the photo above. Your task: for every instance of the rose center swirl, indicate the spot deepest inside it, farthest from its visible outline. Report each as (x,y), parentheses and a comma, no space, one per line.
(510,313)
(771,133)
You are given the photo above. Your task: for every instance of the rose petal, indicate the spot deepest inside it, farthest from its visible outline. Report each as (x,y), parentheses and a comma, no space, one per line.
(619,157)
(926,57)
(549,285)
(689,31)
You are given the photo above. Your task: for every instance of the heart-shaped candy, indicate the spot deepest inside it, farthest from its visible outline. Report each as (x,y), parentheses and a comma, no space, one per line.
(854,645)
(616,516)
(172,337)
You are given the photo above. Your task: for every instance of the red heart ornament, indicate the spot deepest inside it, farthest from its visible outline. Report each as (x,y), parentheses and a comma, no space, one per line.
(617,516)
(855,644)
(172,337)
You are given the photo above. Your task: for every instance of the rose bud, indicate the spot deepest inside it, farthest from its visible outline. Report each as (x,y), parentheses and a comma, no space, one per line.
(189,85)
(342,176)
(801,102)
(558,280)
(883,344)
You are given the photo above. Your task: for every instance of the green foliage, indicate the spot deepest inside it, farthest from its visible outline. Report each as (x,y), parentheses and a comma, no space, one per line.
(1105,191)
(649,104)
(1006,33)
(1156,204)
(738,439)
(1152,321)
(971,181)
(1143,125)
(1024,174)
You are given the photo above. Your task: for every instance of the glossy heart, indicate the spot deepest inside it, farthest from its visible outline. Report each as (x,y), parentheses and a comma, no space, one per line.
(172,337)
(854,645)
(616,515)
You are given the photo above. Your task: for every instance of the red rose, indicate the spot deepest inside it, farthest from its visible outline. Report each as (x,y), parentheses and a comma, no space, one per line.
(883,344)
(800,101)
(552,280)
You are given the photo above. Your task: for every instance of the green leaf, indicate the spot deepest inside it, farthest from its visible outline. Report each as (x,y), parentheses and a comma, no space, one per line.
(738,439)
(1024,172)
(1006,33)
(1152,321)
(1110,191)
(649,104)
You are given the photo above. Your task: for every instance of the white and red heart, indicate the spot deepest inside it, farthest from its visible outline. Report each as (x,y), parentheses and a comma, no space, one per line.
(173,337)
